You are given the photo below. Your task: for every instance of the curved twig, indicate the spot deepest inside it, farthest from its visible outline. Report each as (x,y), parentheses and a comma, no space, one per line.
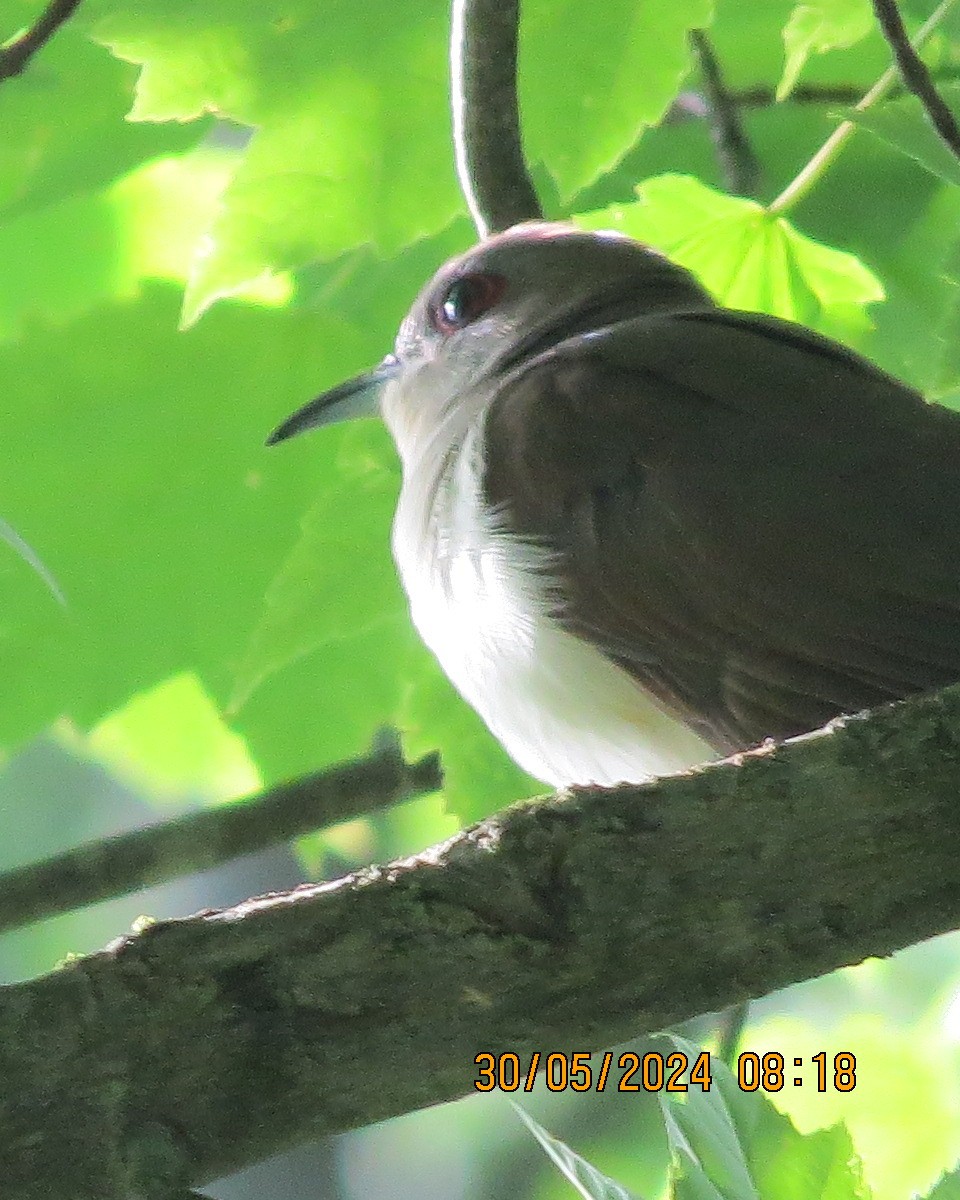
(916,77)
(486,116)
(15,56)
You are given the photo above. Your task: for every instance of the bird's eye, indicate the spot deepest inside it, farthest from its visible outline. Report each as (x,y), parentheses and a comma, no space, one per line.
(466,299)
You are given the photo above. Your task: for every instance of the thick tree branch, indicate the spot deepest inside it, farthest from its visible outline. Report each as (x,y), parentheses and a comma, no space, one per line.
(738,163)
(204,839)
(913,71)
(198,1046)
(486,116)
(17,53)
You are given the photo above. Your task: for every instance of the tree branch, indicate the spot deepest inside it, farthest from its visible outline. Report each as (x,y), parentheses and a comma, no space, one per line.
(916,78)
(486,115)
(803,93)
(692,106)
(198,1046)
(204,839)
(17,53)
(738,163)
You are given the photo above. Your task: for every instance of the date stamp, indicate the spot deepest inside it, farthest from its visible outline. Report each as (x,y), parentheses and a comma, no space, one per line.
(655,1072)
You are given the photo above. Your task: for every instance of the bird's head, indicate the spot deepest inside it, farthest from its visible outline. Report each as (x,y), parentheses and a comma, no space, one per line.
(488,311)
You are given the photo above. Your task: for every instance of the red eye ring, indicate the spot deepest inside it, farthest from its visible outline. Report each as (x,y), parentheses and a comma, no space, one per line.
(464,299)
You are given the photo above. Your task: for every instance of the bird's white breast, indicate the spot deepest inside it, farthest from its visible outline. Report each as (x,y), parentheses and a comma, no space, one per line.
(563,711)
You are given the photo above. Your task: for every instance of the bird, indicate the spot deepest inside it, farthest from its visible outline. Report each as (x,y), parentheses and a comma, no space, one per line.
(638,529)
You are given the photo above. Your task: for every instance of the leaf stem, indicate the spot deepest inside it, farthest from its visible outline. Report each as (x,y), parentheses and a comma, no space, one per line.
(810,175)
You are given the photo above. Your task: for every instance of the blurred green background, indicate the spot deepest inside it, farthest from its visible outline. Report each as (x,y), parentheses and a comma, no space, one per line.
(210,211)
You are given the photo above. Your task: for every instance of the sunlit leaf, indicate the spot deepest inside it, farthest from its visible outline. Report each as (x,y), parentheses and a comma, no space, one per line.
(907,1063)
(62,260)
(63,126)
(746,257)
(352,140)
(351,113)
(171,741)
(817,26)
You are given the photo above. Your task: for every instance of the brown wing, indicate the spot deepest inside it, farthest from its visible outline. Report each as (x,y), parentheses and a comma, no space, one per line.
(757,524)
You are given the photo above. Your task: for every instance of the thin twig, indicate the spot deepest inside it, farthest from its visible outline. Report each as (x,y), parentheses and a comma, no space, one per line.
(812,93)
(204,839)
(16,54)
(738,163)
(810,173)
(486,116)
(691,105)
(915,75)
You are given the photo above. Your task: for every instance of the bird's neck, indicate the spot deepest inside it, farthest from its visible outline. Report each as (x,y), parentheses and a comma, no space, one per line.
(440,512)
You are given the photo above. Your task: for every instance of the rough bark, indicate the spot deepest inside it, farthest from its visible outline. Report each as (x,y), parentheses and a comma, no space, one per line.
(194,1047)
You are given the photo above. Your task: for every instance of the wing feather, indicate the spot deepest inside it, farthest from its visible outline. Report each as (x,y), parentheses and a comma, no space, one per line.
(757,524)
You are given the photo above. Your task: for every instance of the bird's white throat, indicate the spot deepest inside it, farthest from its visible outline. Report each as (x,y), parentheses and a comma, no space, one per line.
(565,712)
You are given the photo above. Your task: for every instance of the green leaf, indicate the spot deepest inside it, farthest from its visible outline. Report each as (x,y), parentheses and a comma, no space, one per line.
(621,87)
(947,1187)
(745,257)
(338,582)
(904,124)
(133,463)
(351,112)
(171,742)
(62,260)
(816,27)
(730,1144)
(350,108)
(591,1183)
(944,364)
(63,126)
